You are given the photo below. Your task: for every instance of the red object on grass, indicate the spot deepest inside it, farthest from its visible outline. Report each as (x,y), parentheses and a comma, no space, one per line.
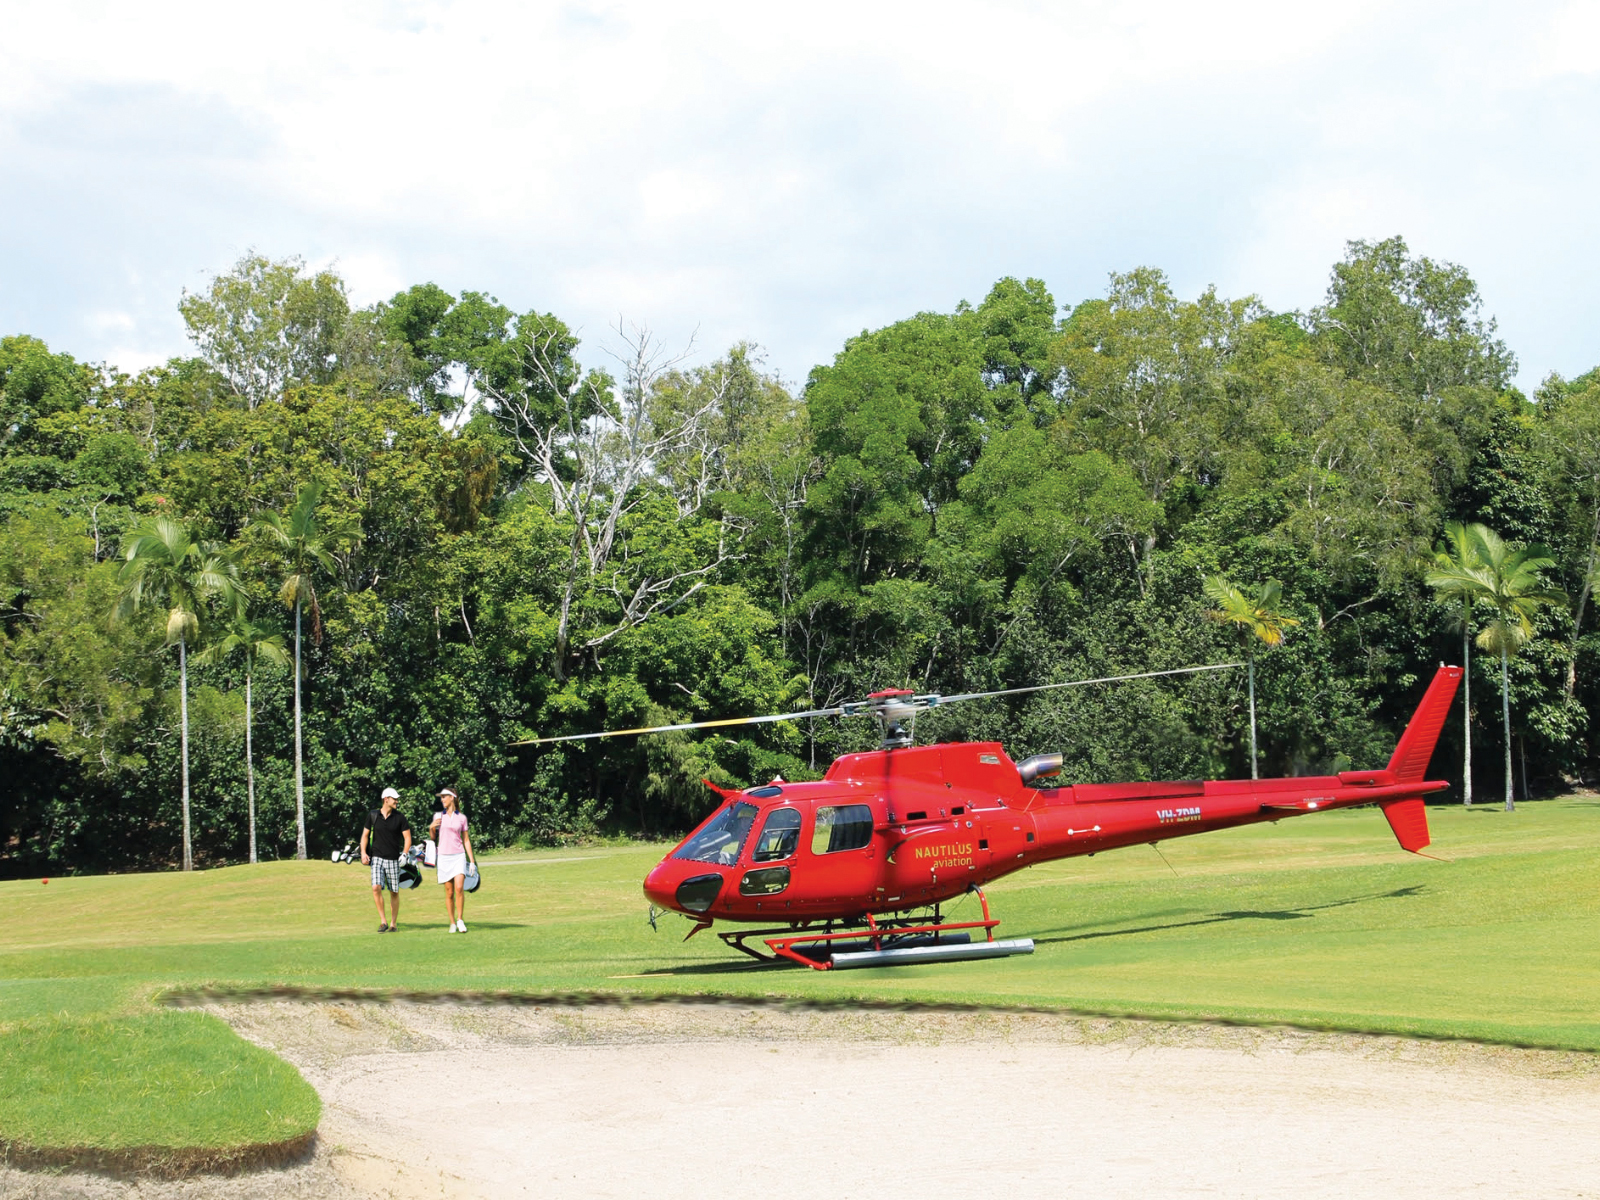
(903,828)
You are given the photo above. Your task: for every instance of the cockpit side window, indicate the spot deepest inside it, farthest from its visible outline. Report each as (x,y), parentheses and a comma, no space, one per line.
(841,827)
(780,836)
(722,837)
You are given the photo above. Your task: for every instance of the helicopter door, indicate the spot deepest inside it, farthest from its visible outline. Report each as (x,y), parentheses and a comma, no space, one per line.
(773,856)
(844,862)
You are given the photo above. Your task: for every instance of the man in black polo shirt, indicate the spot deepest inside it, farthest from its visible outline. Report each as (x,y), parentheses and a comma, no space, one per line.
(387,835)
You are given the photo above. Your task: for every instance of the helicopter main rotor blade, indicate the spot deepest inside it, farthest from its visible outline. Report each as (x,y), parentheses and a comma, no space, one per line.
(940,701)
(725,721)
(884,710)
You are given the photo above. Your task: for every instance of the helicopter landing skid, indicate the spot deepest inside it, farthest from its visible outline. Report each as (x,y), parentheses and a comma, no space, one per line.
(873,943)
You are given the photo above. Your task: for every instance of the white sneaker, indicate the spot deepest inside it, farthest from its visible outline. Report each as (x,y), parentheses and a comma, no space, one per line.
(452,929)
(461,926)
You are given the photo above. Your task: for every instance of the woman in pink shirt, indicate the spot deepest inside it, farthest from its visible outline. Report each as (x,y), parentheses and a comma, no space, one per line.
(455,852)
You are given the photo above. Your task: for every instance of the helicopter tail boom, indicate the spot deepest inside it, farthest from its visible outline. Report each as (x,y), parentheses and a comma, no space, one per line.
(1407,814)
(1087,818)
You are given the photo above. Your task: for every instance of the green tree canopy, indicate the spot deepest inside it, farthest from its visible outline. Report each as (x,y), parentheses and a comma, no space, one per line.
(267,324)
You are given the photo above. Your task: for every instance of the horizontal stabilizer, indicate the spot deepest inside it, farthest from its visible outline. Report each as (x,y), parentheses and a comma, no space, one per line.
(1409,820)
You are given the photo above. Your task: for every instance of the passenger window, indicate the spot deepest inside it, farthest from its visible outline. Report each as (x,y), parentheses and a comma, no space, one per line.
(843,827)
(779,836)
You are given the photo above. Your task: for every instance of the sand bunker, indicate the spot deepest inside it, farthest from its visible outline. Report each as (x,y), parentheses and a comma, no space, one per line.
(694,1102)
(705,1101)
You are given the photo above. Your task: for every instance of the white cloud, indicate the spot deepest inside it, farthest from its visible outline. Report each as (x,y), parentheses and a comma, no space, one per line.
(369,277)
(111,324)
(787,174)
(1572,43)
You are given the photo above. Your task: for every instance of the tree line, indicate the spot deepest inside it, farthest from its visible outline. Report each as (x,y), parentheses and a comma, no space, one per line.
(466,535)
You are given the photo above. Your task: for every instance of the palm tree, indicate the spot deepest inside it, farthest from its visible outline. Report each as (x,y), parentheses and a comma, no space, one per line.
(166,568)
(1258,618)
(1510,587)
(1454,577)
(304,546)
(258,644)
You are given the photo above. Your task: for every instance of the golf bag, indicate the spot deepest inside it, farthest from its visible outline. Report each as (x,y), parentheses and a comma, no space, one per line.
(410,872)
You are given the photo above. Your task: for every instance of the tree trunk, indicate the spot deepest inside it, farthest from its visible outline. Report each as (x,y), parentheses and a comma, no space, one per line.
(183,713)
(300,775)
(1505,712)
(558,656)
(558,660)
(1466,705)
(1522,756)
(1583,602)
(249,767)
(1254,773)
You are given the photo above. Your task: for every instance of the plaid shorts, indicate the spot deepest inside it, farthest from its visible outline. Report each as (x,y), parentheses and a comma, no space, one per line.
(386,873)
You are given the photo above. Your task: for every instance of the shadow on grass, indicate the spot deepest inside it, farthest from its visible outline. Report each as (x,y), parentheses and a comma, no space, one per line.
(736,967)
(1305,912)
(1302,913)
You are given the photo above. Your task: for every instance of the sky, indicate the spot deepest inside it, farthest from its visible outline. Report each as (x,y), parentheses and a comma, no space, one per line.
(790,175)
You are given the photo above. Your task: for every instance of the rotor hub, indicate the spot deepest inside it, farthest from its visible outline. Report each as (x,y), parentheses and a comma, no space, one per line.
(895,710)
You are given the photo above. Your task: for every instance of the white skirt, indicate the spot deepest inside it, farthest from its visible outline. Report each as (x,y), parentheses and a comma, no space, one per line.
(451,865)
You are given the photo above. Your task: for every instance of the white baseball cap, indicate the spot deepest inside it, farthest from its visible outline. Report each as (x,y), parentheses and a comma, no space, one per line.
(388,792)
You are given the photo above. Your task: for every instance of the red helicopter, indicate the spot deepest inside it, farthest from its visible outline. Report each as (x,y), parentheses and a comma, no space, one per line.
(837,871)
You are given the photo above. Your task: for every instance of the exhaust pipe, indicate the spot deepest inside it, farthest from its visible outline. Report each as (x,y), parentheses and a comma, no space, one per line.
(1040,766)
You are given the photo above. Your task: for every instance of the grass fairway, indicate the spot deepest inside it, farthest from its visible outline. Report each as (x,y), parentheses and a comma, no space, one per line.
(1319,921)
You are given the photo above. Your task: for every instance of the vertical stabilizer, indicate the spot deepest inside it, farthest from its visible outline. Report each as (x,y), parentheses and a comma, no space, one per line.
(1410,761)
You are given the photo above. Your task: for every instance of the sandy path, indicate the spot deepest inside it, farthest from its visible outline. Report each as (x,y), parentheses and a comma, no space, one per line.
(698,1102)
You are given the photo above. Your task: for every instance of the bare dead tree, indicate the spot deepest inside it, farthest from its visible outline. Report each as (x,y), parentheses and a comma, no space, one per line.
(596,449)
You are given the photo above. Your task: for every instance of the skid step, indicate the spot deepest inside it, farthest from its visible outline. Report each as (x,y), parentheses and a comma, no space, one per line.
(946,952)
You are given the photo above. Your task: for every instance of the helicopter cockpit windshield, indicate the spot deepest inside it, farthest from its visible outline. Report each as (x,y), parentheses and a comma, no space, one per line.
(722,837)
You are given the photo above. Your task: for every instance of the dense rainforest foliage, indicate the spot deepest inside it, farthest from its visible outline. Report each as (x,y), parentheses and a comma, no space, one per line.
(512,541)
